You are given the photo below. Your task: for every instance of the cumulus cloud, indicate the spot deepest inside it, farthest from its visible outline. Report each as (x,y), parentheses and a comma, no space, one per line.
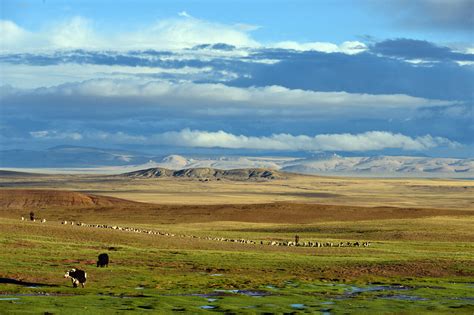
(368,141)
(187,32)
(373,140)
(12,33)
(179,33)
(79,32)
(76,32)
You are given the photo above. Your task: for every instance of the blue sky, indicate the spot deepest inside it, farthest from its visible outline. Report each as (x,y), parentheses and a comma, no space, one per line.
(325,20)
(366,77)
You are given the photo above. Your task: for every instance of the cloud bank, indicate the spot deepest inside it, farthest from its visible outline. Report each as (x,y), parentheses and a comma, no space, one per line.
(166,93)
(372,140)
(367,141)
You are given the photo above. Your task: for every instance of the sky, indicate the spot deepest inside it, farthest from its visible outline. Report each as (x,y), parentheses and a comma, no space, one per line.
(363,77)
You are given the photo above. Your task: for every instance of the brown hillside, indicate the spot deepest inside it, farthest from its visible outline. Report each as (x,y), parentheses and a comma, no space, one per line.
(32,198)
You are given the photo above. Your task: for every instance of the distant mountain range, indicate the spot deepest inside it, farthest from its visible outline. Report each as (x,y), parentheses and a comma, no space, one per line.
(70,156)
(384,166)
(118,161)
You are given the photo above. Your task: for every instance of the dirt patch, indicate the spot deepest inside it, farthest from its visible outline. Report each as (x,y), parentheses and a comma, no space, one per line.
(40,199)
(79,261)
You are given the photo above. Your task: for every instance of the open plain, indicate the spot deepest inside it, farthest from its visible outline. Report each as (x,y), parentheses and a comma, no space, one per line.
(195,246)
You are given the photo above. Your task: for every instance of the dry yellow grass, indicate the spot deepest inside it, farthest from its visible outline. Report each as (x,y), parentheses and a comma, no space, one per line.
(424,193)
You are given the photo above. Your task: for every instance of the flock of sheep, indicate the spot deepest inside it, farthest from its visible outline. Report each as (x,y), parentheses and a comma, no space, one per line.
(296,242)
(223,239)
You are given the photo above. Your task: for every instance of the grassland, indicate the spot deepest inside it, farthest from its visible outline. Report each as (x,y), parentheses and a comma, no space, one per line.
(421,258)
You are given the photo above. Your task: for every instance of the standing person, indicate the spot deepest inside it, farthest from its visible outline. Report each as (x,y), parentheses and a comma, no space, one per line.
(297,239)
(32,216)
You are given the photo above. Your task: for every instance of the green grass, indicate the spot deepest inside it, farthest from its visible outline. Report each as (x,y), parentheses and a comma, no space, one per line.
(173,274)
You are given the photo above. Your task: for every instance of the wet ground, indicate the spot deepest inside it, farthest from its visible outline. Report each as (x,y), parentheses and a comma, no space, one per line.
(325,298)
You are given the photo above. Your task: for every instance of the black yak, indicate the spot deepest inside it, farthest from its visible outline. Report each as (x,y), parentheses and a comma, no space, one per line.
(103,260)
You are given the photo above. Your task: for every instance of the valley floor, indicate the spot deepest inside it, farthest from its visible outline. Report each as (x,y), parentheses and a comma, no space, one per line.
(420,258)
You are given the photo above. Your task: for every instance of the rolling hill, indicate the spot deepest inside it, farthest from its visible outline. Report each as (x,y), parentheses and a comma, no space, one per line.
(208,173)
(41,199)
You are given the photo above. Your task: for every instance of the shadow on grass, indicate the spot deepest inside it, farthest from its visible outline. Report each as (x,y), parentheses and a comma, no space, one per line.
(24,283)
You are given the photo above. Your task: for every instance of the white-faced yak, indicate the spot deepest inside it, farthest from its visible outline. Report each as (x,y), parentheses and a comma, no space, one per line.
(77,277)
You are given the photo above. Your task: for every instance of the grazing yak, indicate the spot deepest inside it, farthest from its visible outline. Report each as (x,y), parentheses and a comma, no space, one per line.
(77,277)
(103,260)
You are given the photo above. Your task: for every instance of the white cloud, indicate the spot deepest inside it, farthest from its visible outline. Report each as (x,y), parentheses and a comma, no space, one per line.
(39,134)
(193,95)
(184,14)
(187,32)
(349,47)
(34,76)
(11,33)
(465,63)
(119,137)
(55,135)
(179,33)
(74,33)
(372,140)
(78,32)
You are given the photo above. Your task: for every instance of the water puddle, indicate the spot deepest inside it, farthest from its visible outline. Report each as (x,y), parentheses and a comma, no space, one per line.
(402,297)
(207,307)
(211,300)
(245,292)
(216,275)
(298,306)
(356,290)
(9,299)
(42,294)
(139,288)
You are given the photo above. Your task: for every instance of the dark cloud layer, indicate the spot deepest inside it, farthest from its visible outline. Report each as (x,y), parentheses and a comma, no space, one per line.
(445,15)
(364,73)
(383,69)
(413,49)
